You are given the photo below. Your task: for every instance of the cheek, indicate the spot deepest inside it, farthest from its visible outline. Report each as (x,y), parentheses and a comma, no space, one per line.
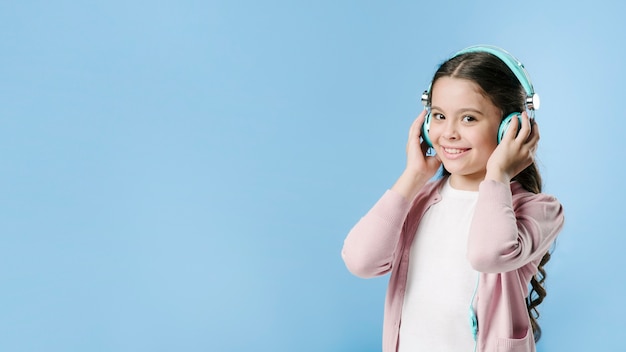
(484,138)
(434,133)
(488,142)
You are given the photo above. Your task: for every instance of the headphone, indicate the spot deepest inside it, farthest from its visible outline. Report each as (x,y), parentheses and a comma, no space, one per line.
(532,99)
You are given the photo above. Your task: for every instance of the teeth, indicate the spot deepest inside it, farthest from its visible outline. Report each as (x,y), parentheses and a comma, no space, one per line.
(454,151)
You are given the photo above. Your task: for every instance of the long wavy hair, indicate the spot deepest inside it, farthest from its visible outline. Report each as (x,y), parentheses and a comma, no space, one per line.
(500,84)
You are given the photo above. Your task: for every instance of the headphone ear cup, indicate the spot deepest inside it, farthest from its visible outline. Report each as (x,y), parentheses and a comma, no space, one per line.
(426,129)
(504,125)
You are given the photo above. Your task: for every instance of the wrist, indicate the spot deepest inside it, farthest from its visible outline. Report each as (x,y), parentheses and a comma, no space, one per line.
(498,175)
(409,184)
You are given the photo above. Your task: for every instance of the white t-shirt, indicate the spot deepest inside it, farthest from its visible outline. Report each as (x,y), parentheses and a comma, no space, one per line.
(441,282)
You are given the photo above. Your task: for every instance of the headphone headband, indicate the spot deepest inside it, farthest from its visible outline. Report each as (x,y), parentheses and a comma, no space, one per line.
(532,98)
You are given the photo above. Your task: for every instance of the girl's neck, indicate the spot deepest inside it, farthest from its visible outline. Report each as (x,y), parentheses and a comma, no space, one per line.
(465,183)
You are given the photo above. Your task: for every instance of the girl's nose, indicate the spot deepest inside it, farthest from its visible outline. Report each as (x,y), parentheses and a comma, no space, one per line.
(450,130)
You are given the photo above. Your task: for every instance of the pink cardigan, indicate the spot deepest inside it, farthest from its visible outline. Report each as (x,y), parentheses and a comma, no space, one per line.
(511,231)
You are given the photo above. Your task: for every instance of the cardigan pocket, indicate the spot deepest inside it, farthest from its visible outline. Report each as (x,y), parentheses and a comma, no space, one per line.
(524,344)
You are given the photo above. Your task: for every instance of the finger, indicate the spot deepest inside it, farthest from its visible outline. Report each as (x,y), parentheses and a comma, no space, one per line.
(533,130)
(416,129)
(419,121)
(511,131)
(525,129)
(417,124)
(415,132)
(534,134)
(532,143)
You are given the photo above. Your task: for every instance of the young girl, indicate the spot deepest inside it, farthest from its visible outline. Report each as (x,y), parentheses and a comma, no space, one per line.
(463,249)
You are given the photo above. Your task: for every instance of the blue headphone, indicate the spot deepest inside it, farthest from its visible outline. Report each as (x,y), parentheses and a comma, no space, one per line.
(532,98)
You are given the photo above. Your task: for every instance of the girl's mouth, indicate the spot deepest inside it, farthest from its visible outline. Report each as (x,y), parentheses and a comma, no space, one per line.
(454,152)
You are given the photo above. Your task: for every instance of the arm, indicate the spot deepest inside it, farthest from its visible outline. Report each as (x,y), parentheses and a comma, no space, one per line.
(419,167)
(508,232)
(370,246)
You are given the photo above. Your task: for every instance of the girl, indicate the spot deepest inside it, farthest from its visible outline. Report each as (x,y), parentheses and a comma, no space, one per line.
(471,242)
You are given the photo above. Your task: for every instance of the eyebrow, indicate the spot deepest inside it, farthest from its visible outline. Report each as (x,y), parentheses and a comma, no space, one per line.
(462,109)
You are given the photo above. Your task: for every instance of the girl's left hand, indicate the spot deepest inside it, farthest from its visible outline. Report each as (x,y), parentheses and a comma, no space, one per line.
(514,153)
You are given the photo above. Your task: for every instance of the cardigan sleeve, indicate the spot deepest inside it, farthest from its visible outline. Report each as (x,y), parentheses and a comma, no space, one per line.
(369,248)
(510,230)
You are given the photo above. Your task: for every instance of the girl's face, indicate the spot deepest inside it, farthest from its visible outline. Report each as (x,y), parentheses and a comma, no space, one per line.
(463,128)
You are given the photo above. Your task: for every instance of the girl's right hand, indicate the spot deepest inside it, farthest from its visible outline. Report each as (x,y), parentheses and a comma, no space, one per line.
(420,167)
(417,160)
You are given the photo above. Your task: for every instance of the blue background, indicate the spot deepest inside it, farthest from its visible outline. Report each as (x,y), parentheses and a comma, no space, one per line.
(180,175)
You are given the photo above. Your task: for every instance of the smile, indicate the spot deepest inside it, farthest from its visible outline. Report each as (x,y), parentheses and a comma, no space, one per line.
(454,151)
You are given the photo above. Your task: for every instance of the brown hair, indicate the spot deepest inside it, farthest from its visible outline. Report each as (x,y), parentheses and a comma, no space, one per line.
(500,84)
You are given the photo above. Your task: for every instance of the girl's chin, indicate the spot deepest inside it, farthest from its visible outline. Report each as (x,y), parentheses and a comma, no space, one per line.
(463,173)
(452,166)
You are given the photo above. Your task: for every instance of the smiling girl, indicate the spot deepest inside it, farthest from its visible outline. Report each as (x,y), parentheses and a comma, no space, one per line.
(472,242)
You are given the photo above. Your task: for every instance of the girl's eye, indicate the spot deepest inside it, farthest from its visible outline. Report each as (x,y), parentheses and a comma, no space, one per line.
(437,116)
(468,118)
